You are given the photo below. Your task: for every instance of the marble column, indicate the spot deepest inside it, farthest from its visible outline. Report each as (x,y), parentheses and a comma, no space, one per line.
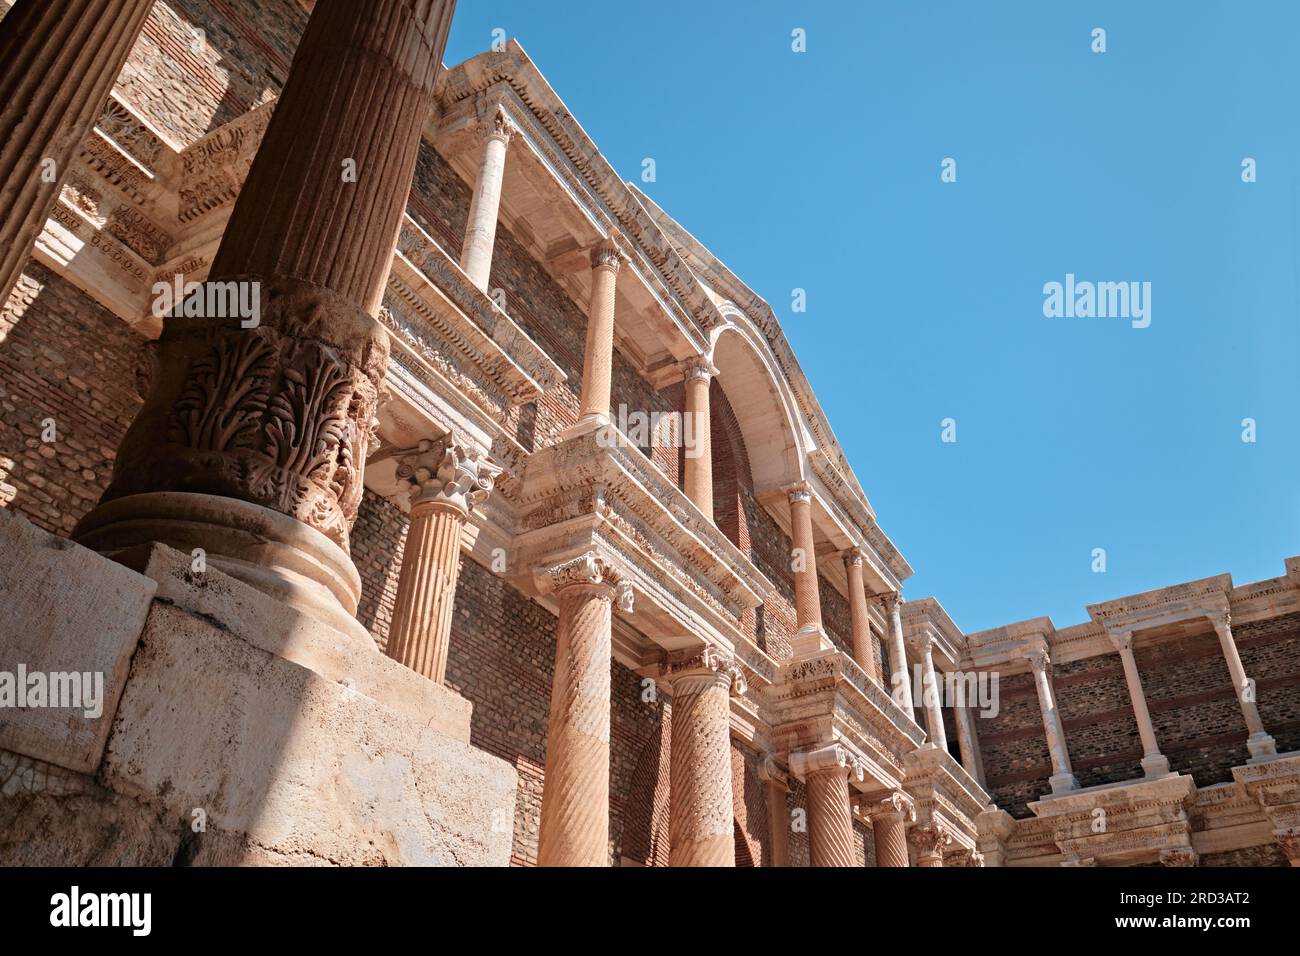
(698,454)
(701,824)
(901,678)
(1259,743)
(775,788)
(968,741)
(575,794)
(860,620)
(930,842)
(811,636)
(826,773)
(253,439)
(447,481)
(1154,763)
(61,58)
(1062,776)
(598,353)
(931,694)
(485,205)
(889,821)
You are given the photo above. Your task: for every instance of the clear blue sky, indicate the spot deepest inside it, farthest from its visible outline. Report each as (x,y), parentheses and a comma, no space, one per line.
(821,170)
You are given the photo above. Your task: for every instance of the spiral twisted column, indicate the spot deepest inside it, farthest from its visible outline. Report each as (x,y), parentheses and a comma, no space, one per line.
(889,821)
(701,814)
(826,774)
(575,794)
(60,59)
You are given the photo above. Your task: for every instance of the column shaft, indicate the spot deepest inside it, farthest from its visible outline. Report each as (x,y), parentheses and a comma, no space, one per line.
(890,833)
(811,636)
(860,620)
(701,817)
(1154,763)
(61,58)
(598,354)
(932,694)
(830,818)
(698,456)
(485,205)
(1062,775)
(1259,742)
(901,678)
(967,741)
(778,823)
(426,591)
(575,795)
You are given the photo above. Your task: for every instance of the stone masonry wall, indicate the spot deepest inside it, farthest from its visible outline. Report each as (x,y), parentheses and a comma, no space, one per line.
(1270,653)
(1100,728)
(1017,763)
(64,360)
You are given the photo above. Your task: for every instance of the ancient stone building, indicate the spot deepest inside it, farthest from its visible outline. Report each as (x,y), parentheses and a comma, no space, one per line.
(475,513)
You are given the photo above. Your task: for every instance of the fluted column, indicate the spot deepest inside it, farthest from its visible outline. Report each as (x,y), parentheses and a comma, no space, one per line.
(701,824)
(698,454)
(1259,743)
(1062,776)
(931,693)
(826,773)
(931,841)
(901,679)
(598,354)
(447,482)
(575,793)
(58,62)
(485,206)
(811,636)
(1154,763)
(889,821)
(859,618)
(253,439)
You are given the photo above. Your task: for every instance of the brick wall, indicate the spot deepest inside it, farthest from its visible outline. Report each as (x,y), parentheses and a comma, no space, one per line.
(1017,763)
(62,357)
(1100,728)
(1270,653)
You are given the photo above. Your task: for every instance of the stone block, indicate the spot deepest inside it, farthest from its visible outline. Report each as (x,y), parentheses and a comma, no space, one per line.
(64,609)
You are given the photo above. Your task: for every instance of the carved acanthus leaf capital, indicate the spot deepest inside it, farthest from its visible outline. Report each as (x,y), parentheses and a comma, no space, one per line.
(854,558)
(698,367)
(499,125)
(930,839)
(706,661)
(798,492)
(443,471)
(896,803)
(587,569)
(607,254)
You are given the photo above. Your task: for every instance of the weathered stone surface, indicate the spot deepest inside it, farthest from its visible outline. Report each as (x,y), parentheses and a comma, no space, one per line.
(65,609)
(287,765)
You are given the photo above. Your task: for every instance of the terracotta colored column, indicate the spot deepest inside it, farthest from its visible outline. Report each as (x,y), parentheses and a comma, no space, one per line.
(778,817)
(930,842)
(598,355)
(1259,743)
(701,826)
(575,795)
(1062,776)
(698,456)
(447,482)
(889,821)
(830,814)
(901,678)
(931,694)
(60,59)
(1154,763)
(485,206)
(253,439)
(811,636)
(859,618)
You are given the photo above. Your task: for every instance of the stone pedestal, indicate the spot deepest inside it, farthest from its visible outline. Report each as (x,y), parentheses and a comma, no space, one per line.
(485,206)
(701,815)
(575,796)
(60,59)
(253,438)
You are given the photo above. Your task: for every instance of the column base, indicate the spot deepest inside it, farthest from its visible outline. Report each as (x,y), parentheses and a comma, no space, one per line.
(809,641)
(1063,782)
(1262,747)
(585,426)
(1155,766)
(281,557)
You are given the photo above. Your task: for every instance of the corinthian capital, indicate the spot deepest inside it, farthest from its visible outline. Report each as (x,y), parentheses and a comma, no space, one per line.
(499,125)
(706,661)
(591,570)
(799,491)
(607,254)
(896,803)
(698,367)
(442,471)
